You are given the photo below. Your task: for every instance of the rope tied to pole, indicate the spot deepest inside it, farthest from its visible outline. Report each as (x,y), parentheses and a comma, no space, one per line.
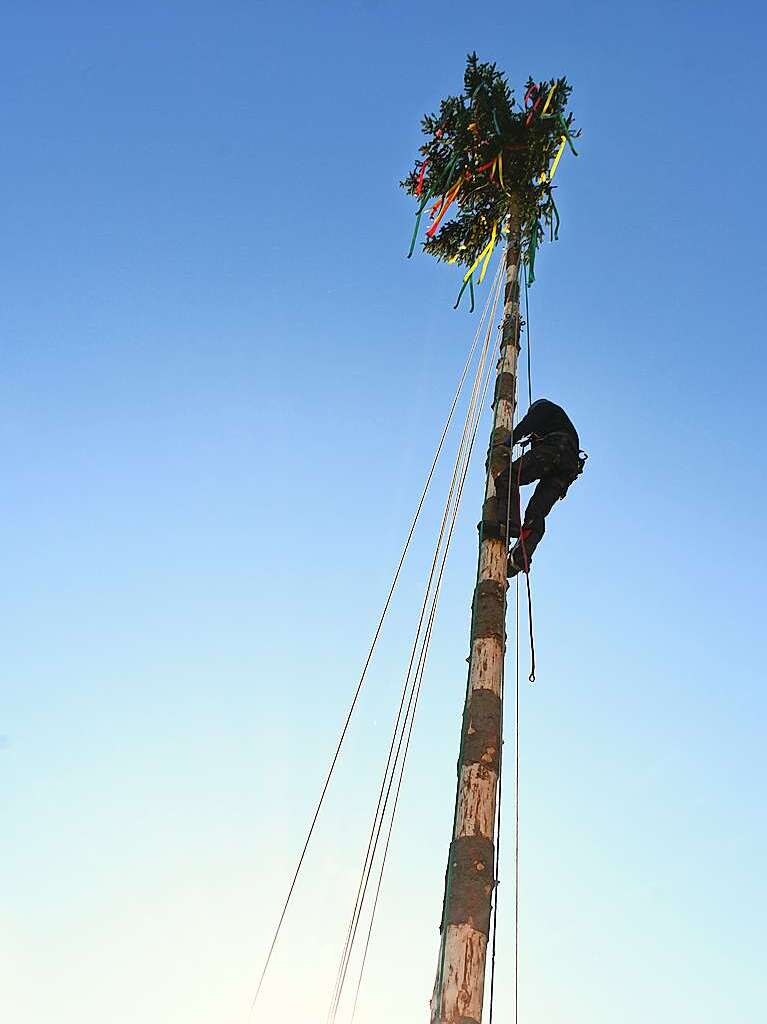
(369,657)
(522,538)
(403,725)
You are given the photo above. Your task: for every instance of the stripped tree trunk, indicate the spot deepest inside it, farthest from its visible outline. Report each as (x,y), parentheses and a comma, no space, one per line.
(459,988)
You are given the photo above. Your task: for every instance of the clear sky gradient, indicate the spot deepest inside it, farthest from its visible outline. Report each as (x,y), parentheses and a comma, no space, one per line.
(221,386)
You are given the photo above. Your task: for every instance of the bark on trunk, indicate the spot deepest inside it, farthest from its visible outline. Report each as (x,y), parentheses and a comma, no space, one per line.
(459,987)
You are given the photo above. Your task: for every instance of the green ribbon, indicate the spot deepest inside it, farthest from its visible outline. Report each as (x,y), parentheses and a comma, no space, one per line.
(566,132)
(531,249)
(555,228)
(470,283)
(447,182)
(429,194)
(418,215)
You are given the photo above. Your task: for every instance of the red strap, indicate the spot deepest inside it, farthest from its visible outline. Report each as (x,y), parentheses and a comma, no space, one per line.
(419,187)
(538,100)
(432,230)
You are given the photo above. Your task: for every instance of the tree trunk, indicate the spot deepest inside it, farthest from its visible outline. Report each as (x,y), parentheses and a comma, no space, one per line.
(459,988)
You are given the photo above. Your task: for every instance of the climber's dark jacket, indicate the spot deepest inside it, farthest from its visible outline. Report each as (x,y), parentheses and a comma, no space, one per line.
(542,418)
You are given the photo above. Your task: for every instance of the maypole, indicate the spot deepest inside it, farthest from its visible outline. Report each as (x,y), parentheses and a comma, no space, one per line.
(492,163)
(465,926)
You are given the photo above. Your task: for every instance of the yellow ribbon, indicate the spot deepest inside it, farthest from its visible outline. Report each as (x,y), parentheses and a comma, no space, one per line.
(490,246)
(557,158)
(552,90)
(486,253)
(499,160)
(474,266)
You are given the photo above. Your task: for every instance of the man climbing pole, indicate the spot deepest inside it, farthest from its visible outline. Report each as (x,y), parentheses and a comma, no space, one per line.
(554,460)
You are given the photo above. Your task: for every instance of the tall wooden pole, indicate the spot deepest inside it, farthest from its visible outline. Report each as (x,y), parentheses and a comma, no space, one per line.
(459,988)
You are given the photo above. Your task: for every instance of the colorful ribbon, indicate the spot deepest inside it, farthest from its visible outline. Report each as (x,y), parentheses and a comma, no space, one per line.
(557,158)
(554,227)
(470,283)
(485,255)
(537,93)
(550,174)
(446,202)
(495,164)
(566,131)
(419,186)
(489,247)
(549,98)
(418,215)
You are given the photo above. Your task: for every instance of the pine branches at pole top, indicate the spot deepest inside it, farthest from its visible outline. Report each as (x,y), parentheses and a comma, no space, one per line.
(486,159)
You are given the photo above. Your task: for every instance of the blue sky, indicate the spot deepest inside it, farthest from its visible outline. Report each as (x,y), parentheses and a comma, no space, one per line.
(221,387)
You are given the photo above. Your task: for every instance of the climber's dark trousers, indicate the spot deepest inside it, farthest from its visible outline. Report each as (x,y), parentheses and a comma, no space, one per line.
(553,481)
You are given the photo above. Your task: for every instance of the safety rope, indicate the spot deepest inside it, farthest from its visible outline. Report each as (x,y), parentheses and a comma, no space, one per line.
(522,537)
(526,562)
(462,464)
(422,666)
(531,677)
(516,820)
(386,789)
(403,725)
(392,759)
(369,656)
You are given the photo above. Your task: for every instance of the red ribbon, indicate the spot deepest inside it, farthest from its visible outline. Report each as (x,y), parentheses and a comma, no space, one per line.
(538,93)
(446,203)
(433,211)
(419,187)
